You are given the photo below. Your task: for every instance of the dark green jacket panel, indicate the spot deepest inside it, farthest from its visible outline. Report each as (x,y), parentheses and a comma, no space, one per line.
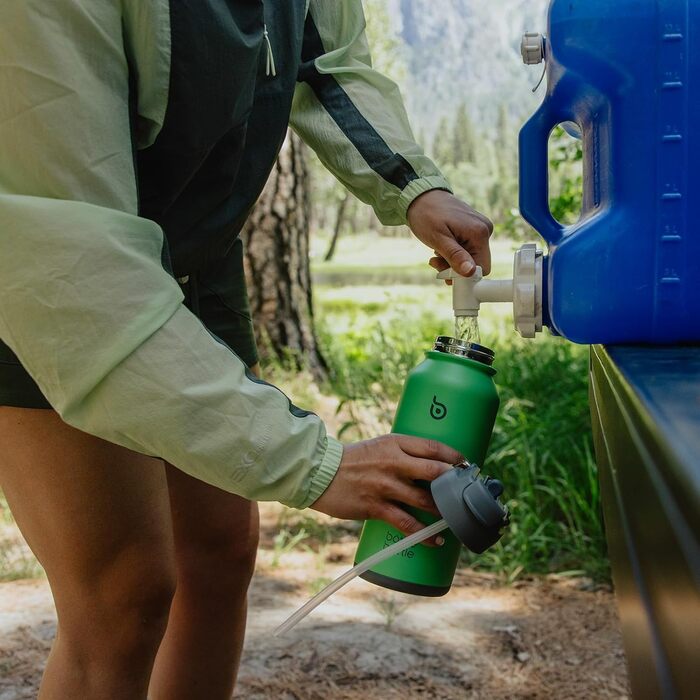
(268,121)
(189,172)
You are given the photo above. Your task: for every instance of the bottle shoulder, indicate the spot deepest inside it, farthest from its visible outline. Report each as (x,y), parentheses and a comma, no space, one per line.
(445,362)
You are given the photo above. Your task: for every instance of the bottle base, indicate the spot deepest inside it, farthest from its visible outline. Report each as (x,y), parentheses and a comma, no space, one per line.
(394,584)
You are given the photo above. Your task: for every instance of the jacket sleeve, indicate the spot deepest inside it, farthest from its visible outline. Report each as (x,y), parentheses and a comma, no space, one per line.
(354,117)
(86,302)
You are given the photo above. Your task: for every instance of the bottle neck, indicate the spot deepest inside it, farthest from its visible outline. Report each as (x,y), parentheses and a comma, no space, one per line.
(472,351)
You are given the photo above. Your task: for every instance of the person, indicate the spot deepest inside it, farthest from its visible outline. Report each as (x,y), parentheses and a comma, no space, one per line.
(135,137)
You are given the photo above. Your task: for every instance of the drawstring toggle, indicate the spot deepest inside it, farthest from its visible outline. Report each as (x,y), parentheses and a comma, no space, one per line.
(270,63)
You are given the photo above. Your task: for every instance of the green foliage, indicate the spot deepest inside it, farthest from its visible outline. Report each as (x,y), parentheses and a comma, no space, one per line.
(285,542)
(457,143)
(565,179)
(386,46)
(542,450)
(317,534)
(442,143)
(16,561)
(390,606)
(541,447)
(339,306)
(15,564)
(316,585)
(367,369)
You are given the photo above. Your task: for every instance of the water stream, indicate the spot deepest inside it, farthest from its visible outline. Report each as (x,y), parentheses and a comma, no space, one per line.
(467,329)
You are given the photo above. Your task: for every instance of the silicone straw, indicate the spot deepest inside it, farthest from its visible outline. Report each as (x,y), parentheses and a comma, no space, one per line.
(295,618)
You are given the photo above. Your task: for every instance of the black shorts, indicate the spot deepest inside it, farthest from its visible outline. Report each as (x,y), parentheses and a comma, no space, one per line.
(216,294)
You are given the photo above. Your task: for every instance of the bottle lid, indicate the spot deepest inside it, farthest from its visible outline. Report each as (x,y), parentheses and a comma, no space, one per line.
(470,503)
(473,351)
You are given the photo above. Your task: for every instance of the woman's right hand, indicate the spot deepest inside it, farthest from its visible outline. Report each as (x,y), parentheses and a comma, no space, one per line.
(376,479)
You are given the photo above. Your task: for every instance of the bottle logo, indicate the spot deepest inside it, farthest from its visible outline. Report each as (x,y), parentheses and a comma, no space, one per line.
(438,410)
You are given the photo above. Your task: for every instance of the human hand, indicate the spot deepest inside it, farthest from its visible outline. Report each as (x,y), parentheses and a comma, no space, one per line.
(376,479)
(458,234)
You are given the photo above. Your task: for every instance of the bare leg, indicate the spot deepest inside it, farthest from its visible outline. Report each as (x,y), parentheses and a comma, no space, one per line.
(216,536)
(97,516)
(216,541)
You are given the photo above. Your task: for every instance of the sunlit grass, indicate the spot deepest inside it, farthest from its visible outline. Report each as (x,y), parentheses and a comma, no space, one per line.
(371,259)
(16,561)
(359,308)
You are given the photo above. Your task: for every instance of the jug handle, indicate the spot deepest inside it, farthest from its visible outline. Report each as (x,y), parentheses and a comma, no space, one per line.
(534,172)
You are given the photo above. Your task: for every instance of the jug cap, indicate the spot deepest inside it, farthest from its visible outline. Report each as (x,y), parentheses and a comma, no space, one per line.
(533,48)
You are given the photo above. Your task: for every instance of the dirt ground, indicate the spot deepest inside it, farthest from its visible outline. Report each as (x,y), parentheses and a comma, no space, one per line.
(540,638)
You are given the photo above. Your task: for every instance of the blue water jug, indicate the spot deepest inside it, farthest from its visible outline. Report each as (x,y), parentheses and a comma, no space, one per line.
(628,74)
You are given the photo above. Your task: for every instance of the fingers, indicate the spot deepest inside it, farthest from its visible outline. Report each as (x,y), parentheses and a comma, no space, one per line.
(376,477)
(458,258)
(411,495)
(474,231)
(439,263)
(404,522)
(430,450)
(425,469)
(458,233)
(482,256)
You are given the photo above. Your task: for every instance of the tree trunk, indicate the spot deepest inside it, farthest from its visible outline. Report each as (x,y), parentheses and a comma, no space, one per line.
(276,244)
(339,221)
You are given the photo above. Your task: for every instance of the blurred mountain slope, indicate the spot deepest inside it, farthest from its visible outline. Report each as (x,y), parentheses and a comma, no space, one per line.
(465,51)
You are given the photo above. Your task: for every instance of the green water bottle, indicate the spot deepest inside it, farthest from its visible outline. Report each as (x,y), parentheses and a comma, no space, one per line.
(449,397)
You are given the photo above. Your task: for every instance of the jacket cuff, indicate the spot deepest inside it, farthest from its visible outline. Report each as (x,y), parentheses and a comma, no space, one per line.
(324,474)
(416,188)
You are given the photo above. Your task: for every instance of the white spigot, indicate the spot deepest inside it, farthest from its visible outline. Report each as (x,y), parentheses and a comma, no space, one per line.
(524,291)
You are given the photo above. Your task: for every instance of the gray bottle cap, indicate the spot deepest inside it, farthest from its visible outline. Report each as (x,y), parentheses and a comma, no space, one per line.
(469,503)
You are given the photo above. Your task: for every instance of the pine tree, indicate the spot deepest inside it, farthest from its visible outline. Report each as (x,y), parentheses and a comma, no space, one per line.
(505,143)
(276,240)
(442,143)
(464,138)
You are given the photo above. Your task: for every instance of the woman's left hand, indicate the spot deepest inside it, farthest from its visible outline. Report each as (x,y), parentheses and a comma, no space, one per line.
(458,234)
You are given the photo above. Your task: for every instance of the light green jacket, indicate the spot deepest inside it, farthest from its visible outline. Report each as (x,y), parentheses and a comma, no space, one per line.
(86,301)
